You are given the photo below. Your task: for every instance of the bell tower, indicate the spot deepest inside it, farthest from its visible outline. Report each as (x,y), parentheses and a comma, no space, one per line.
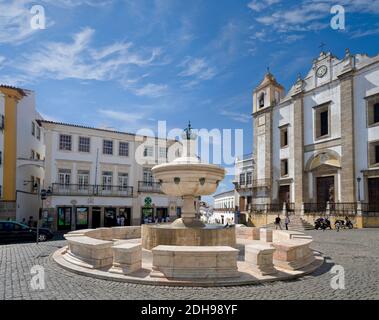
(265,97)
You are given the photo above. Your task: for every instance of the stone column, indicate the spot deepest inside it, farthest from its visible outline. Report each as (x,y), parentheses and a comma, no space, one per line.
(347,138)
(298,150)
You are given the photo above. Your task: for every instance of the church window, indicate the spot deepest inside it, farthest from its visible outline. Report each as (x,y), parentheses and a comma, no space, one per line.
(261,100)
(284,137)
(373,111)
(284,168)
(322,121)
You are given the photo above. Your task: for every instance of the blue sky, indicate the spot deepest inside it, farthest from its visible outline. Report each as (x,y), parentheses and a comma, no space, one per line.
(127,64)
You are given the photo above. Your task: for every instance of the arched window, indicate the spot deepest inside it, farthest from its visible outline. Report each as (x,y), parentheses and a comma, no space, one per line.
(261,100)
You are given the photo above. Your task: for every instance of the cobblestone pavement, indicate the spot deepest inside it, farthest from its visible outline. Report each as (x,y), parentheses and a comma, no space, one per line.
(357,251)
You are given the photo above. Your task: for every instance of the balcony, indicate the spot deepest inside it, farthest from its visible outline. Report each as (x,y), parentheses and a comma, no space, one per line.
(254,184)
(91,190)
(149,187)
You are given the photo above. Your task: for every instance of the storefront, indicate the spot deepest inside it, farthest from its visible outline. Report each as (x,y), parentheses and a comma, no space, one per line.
(64,218)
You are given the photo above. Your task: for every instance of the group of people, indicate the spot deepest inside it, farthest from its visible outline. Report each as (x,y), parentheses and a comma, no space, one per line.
(278,222)
(121,219)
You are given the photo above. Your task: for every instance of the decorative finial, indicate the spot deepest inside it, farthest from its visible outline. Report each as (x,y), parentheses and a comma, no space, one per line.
(188,131)
(299,78)
(347,52)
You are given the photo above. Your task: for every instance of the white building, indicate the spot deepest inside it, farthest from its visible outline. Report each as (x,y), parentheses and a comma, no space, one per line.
(244,171)
(319,142)
(95,177)
(23,153)
(224,207)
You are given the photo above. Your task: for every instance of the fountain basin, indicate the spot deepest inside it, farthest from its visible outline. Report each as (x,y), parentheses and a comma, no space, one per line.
(172,235)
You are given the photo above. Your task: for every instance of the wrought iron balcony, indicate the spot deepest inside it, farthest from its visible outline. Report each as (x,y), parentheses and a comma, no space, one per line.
(149,187)
(91,190)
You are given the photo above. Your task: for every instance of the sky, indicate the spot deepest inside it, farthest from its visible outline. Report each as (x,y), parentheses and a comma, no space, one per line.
(127,64)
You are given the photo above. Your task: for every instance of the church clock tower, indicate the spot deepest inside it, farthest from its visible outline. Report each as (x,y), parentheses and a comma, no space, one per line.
(265,97)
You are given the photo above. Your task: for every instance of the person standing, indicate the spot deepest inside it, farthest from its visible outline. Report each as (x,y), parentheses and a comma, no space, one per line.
(287,221)
(118,220)
(122,221)
(277,223)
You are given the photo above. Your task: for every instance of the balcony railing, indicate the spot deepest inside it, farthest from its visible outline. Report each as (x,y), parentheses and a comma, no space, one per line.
(260,183)
(151,187)
(370,209)
(343,209)
(258,208)
(91,190)
(315,208)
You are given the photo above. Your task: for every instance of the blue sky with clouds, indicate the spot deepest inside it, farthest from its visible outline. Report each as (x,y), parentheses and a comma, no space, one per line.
(127,64)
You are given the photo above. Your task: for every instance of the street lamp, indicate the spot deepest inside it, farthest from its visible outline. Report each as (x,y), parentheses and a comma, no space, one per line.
(359,179)
(43,194)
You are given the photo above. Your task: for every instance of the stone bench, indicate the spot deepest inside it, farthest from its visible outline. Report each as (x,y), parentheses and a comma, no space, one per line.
(248,233)
(88,252)
(260,258)
(190,262)
(266,235)
(127,258)
(284,235)
(293,254)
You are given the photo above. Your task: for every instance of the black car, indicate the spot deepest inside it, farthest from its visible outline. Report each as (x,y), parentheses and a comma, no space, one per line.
(11,232)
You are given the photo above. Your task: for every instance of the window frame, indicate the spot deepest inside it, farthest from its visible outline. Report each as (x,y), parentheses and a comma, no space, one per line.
(61,143)
(80,144)
(373,147)
(283,129)
(371,102)
(284,168)
(104,147)
(121,154)
(317,111)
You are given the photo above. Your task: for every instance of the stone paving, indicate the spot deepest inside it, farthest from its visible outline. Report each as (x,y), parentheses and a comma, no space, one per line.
(356,250)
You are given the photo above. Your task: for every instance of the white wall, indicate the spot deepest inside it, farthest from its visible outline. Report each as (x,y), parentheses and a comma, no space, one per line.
(365,83)
(27,205)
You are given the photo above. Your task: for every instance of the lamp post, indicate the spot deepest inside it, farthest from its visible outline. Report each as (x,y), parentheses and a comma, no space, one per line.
(359,179)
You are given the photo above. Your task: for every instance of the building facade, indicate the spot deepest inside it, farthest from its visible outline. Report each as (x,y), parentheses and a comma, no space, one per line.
(95,176)
(244,186)
(319,143)
(22,154)
(224,207)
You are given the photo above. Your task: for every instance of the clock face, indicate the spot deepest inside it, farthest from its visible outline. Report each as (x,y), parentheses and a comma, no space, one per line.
(321,72)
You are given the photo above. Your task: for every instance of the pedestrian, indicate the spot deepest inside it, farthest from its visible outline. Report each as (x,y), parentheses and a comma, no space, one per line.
(277,223)
(118,221)
(287,221)
(122,221)
(23,221)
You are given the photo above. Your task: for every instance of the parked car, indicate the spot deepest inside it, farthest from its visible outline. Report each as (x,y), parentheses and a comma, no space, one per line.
(11,232)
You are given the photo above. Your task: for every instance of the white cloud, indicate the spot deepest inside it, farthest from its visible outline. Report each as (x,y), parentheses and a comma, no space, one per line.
(197,69)
(259,5)
(308,15)
(77,3)
(15,21)
(78,60)
(122,116)
(152,90)
(236,116)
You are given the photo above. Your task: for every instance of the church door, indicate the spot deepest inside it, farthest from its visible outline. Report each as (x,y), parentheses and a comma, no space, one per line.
(373,194)
(325,190)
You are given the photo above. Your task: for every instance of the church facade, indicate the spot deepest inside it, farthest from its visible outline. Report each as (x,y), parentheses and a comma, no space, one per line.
(319,142)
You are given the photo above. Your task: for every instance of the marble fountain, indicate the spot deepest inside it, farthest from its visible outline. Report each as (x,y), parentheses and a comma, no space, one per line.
(187,252)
